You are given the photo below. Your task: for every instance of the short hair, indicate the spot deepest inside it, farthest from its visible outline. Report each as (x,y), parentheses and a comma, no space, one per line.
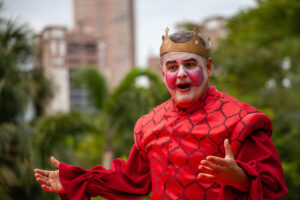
(184,36)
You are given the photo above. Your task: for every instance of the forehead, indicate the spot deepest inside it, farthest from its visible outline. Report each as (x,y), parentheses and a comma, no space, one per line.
(180,56)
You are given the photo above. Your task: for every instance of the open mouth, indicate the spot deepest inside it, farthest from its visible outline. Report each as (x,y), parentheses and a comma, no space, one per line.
(184,86)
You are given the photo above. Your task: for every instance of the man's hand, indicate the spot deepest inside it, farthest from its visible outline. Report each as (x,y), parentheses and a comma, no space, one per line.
(49,180)
(224,171)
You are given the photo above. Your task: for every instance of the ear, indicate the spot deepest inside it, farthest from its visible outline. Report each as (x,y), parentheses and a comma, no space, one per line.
(209,67)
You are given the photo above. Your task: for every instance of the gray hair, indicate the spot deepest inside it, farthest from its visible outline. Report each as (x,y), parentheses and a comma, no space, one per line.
(184,36)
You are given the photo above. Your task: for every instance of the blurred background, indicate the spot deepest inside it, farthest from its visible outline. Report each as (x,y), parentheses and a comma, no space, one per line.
(75,75)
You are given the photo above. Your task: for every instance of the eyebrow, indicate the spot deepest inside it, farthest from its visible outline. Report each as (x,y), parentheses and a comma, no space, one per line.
(185,61)
(190,60)
(171,62)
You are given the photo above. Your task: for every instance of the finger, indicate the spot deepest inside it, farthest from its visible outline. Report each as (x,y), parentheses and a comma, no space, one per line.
(42,172)
(216,160)
(207,170)
(207,177)
(43,181)
(47,188)
(228,151)
(54,161)
(211,165)
(40,175)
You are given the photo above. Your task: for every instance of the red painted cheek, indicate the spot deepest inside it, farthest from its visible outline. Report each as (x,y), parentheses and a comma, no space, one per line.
(171,80)
(196,76)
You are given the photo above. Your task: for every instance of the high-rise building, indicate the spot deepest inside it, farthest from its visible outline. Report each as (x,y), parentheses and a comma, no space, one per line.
(112,20)
(59,52)
(50,55)
(102,37)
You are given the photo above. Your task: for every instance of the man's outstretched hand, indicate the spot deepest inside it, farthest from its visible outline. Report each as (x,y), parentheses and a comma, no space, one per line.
(224,171)
(49,180)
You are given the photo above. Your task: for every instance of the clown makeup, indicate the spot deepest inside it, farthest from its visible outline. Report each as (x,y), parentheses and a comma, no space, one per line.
(189,67)
(186,76)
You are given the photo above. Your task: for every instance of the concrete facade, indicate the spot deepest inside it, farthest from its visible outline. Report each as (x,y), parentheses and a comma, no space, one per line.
(112,20)
(59,52)
(103,37)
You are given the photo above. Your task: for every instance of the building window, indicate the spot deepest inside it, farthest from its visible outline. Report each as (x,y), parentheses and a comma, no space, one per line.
(62,48)
(58,61)
(90,48)
(73,48)
(92,62)
(79,98)
(53,47)
(74,61)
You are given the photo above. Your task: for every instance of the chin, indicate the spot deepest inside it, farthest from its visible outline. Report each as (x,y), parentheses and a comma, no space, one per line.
(184,103)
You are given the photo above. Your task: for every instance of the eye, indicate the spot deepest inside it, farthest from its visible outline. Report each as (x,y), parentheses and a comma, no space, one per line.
(172,68)
(190,65)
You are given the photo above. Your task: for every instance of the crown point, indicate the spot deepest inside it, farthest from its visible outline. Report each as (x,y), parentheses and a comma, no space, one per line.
(196,30)
(209,43)
(193,46)
(167,31)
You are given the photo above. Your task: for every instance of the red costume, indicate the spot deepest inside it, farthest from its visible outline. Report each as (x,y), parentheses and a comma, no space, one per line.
(170,143)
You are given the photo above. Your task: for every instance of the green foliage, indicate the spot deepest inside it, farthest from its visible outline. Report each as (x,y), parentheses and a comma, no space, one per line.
(186,25)
(124,114)
(16,177)
(259,40)
(116,116)
(59,135)
(258,62)
(70,137)
(14,86)
(18,86)
(94,82)
(41,90)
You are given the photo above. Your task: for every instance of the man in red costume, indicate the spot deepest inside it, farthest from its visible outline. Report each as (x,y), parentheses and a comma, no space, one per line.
(200,144)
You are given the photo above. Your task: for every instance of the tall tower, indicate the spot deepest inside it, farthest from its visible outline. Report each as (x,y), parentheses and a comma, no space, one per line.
(113,21)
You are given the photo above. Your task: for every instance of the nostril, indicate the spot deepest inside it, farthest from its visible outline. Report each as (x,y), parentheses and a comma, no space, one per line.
(181,74)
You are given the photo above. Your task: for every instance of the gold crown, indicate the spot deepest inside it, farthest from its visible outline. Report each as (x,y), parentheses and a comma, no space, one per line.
(192,46)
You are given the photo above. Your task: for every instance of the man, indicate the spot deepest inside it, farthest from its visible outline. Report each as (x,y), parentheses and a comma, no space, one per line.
(200,144)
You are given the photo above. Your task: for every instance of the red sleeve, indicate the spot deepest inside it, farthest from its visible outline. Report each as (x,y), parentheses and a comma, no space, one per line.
(259,159)
(125,180)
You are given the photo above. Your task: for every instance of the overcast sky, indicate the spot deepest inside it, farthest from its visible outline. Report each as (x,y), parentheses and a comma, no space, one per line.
(152,16)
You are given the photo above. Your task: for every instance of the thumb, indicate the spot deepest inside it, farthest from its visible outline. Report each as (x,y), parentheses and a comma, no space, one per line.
(54,161)
(228,151)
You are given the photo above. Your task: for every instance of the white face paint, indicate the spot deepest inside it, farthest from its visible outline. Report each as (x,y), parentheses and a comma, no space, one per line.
(185,76)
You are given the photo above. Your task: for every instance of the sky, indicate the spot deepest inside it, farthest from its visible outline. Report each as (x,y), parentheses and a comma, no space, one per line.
(152,17)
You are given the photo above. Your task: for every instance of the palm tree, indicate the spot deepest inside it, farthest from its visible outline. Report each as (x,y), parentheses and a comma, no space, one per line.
(14,87)
(120,109)
(59,135)
(16,90)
